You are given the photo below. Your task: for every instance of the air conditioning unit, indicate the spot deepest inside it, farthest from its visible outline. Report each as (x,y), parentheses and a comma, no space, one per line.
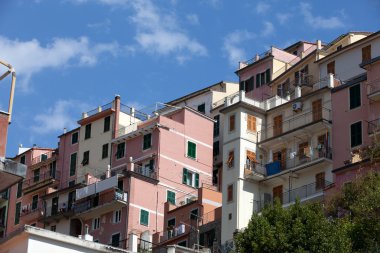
(297,106)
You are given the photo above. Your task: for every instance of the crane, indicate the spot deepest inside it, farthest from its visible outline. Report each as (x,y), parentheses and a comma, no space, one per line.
(12,71)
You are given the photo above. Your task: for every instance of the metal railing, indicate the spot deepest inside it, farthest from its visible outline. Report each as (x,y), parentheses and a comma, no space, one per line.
(186,198)
(145,171)
(28,209)
(43,157)
(294,122)
(41,178)
(106,198)
(62,208)
(99,109)
(256,58)
(374,126)
(300,159)
(254,168)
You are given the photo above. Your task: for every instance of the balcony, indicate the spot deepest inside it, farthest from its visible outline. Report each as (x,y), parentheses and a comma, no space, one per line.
(4,196)
(43,157)
(373,90)
(309,121)
(313,191)
(32,212)
(55,213)
(254,171)
(96,205)
(11,172)
(40,181)
(374,127)
(138,170)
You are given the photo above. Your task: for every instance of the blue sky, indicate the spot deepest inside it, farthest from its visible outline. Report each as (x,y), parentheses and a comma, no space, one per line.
(73,55)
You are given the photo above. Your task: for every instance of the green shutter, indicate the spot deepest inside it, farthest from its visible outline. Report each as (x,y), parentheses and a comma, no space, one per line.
(267,76)
(196,180)
(191,149)
(184,176)
(171,197)
(18,211)
(147,141)
(73,162)
(258,80)
(144,217)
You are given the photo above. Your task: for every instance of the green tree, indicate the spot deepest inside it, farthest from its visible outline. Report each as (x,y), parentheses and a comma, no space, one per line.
(359,204)
(299,228)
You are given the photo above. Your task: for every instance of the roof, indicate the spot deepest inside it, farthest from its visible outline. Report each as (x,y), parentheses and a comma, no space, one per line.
(196,93)
(352,81)
(340,37)
(297,44)
(349,46)
(369,62)
(255,62)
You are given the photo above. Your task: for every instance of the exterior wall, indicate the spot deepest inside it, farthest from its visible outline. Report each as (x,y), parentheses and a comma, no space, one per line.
(94,144)
(3,132)
(65,150)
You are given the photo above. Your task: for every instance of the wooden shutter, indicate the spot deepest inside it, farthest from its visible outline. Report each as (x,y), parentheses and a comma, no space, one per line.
(230,193)
(251,123)
(277,128)
(277,192)
(251,156)
(366,53)
(320,181)
(331,68)
(230,161)
(283,159)
(232,122)
(317,110)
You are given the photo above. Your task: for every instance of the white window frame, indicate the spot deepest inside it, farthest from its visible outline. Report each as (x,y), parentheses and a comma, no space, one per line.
(95,223)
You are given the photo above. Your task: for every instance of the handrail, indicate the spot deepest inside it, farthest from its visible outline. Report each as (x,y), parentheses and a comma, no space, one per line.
(100,109)
(41,178)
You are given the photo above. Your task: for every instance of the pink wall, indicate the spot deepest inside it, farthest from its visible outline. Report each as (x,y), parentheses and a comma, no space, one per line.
(3,133)
(65,150)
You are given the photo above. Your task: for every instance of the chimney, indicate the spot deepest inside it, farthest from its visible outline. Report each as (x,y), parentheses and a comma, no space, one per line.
(298,91)
(64,130)
(257,57)
(319,44)
(87,236)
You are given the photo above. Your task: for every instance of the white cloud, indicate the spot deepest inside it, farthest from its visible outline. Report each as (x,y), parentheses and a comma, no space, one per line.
(192,19)
(283,17)
(104,26)
(30,57)
(58,116)
(232,45)
(268,29)
(159,34)
(262,8)
(319,21)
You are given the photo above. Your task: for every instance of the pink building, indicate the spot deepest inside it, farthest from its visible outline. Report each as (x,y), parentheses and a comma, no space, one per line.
(356,109)
(187,215)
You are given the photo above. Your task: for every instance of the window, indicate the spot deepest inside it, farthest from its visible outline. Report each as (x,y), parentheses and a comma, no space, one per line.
(190,178)
(144,217)
(22,159)
(277,192)
(170,197)
(147,141)
(216,125)
(202,108)
(232,123)
(251,159)
(87,133)
(317,110)
(230,161)
(71,183)
(120,185)
(74,138)
(248,85)
(191,149)
(117,216)
(355,96)
(96,223)
(331,68)
(120,150)
(115,240)
(230,193)
(194,214)
(73,164)
(303,150)
(277,125)
(171,223)
(258,81)
(183,243)
(107,123)
(216,148)
(17,214)
(251,123)
(44,157)
(356,134)
(267,76)
(34,202)
(36,175)
(320,181)
(366,53)
(19,189)
(53,169)
(105,151)
(53,228)
(283,89)
(86,158)
(230,216)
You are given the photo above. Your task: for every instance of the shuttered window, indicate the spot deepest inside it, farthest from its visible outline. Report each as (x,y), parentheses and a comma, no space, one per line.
(355,96)
(331,68)
(356,134)
(191,149)
(251,123)
(144,217)
(230,161)
(232,122)
(277,126)
(73,164)
(170,197)
(366,53)
(230,193)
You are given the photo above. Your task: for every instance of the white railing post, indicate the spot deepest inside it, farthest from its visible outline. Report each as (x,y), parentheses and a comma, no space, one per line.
(331,80)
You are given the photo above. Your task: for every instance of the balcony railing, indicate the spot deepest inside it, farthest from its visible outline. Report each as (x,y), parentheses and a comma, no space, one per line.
(42,157)
(32,210)
(374,126)
(298,160)
(106,198)
(99,109)
(41,179)
(60,209)
(293,123)
(303,193)
(251,169)
(373,90)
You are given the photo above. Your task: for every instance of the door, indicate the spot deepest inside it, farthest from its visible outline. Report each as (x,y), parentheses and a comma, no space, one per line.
(54,207)
(317,110)
(277,125)
(71,200)
(320,181)
(277,192)
(281,157)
